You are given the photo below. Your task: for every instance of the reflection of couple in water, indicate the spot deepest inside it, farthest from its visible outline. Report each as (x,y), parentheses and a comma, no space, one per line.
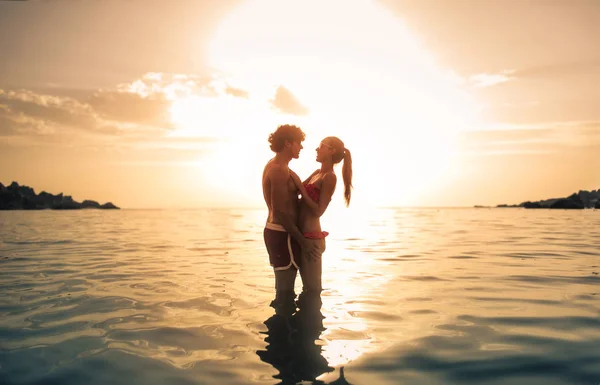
(291,347)
(295,241)
(291,343)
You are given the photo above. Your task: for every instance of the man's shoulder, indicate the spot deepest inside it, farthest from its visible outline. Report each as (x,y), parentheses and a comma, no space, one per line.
(273,168)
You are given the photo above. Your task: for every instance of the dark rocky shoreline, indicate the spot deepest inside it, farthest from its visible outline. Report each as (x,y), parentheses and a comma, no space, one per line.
(16,197)
(576,201)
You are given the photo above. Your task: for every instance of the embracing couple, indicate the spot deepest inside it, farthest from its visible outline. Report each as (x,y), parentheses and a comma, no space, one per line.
(293,234)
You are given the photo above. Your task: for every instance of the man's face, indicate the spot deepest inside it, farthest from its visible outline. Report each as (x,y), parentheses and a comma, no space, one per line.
(295,149)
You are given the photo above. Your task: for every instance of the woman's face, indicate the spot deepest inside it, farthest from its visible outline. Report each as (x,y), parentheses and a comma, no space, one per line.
(324,151)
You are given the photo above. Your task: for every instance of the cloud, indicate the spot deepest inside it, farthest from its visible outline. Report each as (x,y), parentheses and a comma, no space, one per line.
(286,102)
(577,124)
(7,125)
(140,108)
(31,109)
(489,80)
(132,116)
(174,86)
(151,110)
(554,137)
(237,92)
(38,118)
(169,85)
(559,69)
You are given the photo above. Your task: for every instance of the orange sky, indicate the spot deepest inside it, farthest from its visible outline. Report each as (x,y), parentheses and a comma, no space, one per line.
(169,104)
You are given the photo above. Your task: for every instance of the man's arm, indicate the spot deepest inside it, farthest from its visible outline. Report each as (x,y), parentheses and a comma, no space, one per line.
(279,199)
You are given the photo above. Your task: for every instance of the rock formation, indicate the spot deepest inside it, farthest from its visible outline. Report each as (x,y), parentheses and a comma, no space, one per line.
(16,197)
(579,200)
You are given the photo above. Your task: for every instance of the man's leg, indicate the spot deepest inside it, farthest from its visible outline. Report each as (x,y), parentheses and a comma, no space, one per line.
(284,289)
(285,280)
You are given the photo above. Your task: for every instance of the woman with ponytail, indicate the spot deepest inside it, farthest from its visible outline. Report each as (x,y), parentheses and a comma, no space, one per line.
(316,192)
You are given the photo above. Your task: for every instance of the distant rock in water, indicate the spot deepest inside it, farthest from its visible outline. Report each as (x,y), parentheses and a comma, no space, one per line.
(531,205)
(15,197)
(571,202)
(87,204)
(577,201)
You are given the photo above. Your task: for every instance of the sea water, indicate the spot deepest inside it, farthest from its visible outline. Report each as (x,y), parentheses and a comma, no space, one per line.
(411,296)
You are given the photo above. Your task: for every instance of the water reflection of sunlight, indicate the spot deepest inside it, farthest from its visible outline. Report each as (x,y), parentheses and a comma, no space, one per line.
(352,273)
(340,352)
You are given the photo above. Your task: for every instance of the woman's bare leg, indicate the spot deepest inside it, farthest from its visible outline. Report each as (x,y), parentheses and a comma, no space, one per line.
(311,271)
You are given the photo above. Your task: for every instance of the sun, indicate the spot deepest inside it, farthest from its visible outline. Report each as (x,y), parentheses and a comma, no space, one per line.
(363,76)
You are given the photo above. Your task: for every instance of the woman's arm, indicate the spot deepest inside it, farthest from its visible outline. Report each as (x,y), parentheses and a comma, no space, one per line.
(310,177)
(327,189)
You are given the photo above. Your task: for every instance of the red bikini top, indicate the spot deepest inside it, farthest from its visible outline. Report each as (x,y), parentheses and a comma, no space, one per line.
(313,192)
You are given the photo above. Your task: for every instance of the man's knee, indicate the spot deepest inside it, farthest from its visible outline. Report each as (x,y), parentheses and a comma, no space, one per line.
(287,276)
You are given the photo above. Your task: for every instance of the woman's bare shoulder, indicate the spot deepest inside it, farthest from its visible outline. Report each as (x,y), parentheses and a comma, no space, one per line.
(329,177)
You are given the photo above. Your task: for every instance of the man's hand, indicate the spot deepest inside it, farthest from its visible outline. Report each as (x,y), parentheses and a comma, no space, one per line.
(309,249)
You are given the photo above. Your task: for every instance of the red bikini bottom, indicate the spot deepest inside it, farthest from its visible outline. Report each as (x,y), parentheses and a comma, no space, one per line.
(316,234)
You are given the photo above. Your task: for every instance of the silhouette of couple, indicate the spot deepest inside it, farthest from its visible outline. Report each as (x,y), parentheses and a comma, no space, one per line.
(293,234)
(295,242)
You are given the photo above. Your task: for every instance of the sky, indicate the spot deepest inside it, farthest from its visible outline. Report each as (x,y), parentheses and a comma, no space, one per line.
(160,104)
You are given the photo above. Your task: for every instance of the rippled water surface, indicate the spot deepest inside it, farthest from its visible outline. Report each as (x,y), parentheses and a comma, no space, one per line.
(412,296)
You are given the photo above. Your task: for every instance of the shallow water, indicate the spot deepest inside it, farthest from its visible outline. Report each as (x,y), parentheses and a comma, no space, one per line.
(412,296)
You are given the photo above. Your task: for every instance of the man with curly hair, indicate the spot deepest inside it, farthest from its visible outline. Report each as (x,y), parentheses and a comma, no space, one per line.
(282,237)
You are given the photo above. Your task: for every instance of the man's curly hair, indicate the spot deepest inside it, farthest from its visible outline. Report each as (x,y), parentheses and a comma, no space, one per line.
(285,132)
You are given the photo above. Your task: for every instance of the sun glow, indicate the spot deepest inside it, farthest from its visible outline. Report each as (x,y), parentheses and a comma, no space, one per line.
(223,117)
(360,73)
